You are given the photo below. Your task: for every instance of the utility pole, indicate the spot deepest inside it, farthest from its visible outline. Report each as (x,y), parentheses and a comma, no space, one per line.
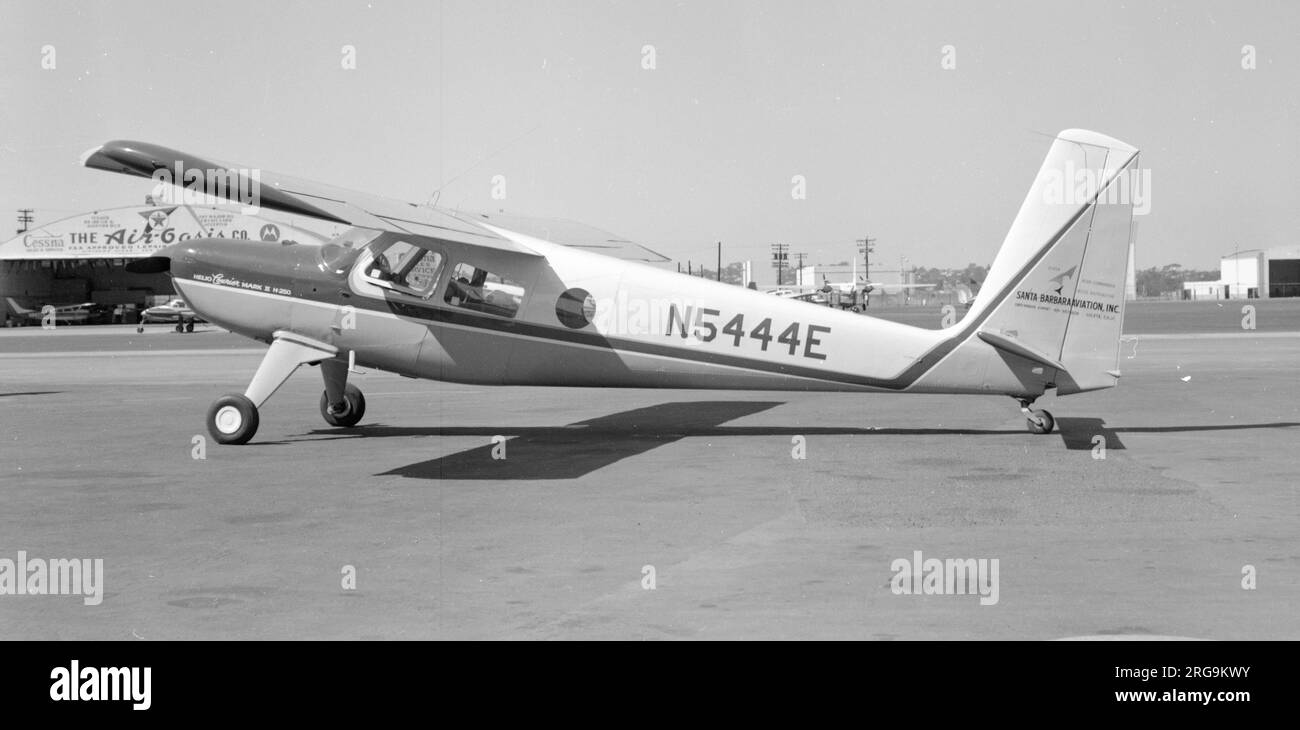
(904,279)
(25,218)
(801,257)
(719,260)
(866,249)
(780,254)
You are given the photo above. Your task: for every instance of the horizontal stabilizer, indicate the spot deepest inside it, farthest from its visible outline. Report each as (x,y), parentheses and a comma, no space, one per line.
(1011,345)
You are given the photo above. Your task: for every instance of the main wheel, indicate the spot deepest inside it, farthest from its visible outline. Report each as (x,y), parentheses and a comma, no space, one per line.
(232,419)
(1041,422)
(354,411)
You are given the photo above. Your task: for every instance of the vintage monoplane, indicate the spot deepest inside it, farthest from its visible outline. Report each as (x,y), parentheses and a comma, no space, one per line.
(489,299)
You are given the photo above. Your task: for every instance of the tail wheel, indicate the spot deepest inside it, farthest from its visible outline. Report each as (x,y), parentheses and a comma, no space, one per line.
(1041,422)
(354,408)
(232,419)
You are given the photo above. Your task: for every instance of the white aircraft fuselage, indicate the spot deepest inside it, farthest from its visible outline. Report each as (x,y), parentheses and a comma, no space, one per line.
(650,329)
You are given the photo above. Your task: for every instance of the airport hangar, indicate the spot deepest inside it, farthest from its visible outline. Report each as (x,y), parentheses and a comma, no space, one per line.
(82,258)
(1271,273)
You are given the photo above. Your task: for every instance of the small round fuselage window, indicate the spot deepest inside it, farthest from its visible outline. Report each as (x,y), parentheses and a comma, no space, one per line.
(575,308)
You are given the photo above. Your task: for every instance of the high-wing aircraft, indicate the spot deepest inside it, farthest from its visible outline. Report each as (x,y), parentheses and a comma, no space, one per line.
(844,294)
(429,293)
(61,314)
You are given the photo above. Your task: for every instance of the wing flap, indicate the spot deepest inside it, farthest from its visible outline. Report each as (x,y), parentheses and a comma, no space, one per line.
(570,234)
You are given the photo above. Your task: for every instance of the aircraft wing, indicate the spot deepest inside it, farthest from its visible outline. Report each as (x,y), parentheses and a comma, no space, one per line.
(887,288)
(299,197)
(571,234)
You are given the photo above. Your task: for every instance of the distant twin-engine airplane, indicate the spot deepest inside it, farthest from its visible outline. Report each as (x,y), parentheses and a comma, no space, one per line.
(472,298)
(844,294)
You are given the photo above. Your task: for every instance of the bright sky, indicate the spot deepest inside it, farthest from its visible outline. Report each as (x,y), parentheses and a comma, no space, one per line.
(744,95)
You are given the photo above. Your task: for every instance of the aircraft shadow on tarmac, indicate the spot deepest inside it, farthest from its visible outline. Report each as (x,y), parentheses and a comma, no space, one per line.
(575,450)
(31,392)
(1078,433)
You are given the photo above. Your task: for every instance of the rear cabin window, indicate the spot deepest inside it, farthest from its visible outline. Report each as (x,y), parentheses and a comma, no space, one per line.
(406,268)
(482,291)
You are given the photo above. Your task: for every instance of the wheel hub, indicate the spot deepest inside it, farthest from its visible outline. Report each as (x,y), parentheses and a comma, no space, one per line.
(228,419)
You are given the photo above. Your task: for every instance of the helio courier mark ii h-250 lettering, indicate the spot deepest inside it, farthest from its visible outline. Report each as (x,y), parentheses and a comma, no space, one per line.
(486,299)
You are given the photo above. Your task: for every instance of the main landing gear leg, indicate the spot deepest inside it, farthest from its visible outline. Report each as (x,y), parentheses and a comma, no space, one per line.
(342,403)
(1039,421)
(232,418)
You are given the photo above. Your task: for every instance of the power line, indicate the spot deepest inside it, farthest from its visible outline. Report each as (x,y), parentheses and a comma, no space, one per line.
(866,249)
(780,255)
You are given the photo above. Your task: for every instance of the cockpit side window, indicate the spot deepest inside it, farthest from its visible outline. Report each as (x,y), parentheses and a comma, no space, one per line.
(407,268)
(483,291)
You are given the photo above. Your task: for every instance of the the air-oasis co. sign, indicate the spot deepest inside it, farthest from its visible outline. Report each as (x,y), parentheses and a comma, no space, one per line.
(139,231)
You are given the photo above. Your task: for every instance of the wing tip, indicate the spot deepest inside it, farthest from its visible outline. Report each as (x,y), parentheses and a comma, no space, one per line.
(84,160)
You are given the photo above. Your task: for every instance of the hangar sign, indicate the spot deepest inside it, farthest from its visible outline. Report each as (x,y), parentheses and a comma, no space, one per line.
(139,231)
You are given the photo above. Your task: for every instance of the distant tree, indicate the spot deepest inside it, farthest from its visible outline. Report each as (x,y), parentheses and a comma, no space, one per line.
(944,279)
(1163,280)
(733,273)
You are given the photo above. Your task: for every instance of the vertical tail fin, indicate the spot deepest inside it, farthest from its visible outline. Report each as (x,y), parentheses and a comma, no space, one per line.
(1056,289)
(17,309)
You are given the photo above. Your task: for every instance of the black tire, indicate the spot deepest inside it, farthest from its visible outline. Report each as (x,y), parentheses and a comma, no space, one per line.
(1044,423)
(232,419)
(356,408)
(189,325)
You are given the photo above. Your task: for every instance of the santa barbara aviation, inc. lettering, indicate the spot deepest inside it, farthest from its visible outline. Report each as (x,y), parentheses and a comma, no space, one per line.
(1088,304)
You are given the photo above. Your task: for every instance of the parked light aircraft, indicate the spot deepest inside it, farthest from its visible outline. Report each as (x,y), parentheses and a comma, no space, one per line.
(844,294)
(175,312)
(59,314)
(472,298)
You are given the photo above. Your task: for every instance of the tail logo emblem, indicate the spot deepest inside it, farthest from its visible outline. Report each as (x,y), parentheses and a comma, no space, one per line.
(1063,279)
